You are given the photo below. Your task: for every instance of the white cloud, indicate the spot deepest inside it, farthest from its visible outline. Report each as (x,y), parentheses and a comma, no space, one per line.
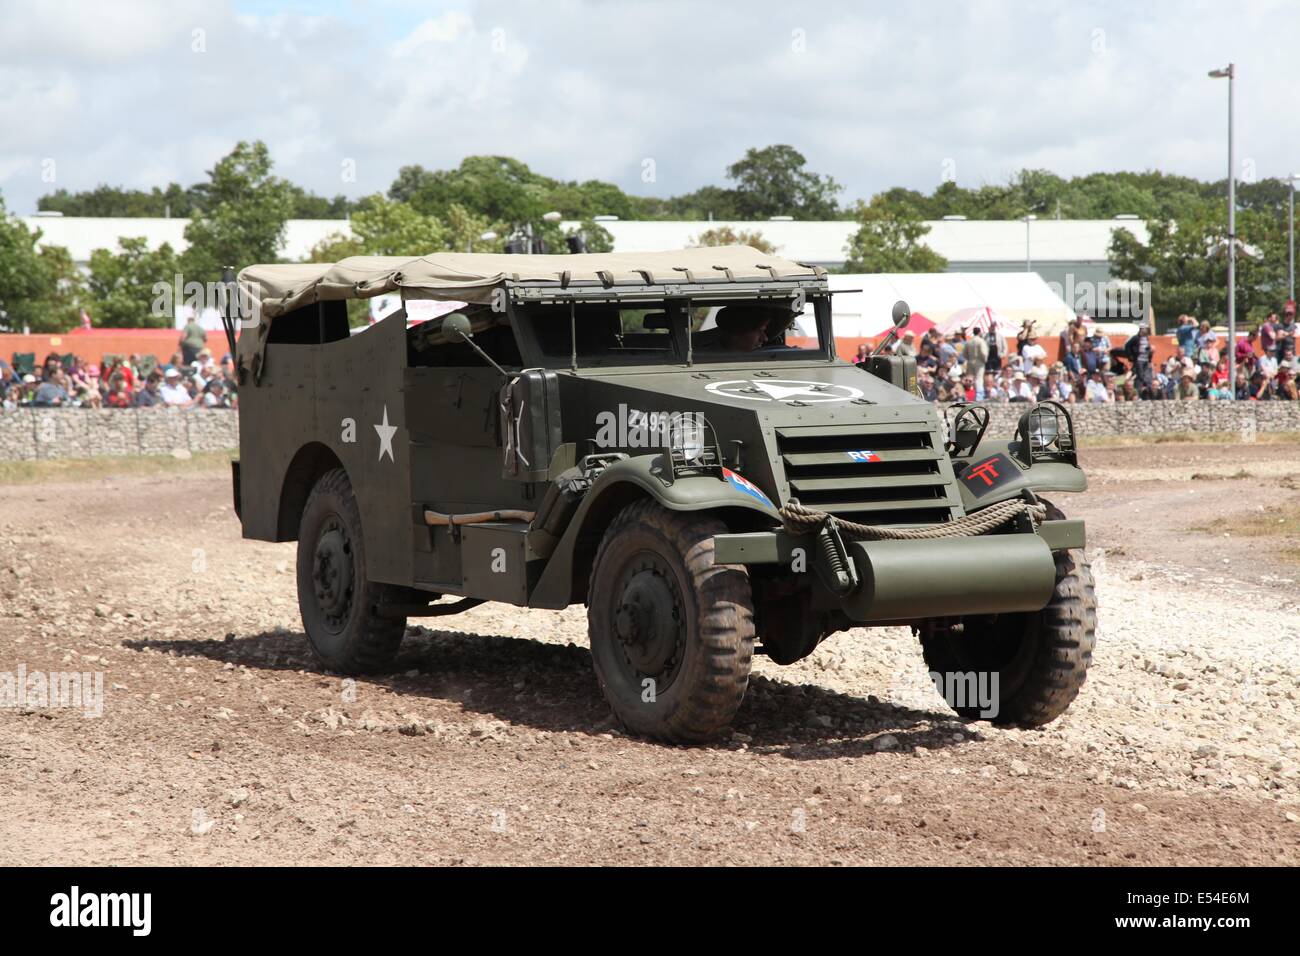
(875,95)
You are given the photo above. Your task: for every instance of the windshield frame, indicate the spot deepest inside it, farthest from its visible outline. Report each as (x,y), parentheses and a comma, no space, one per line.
(677,305)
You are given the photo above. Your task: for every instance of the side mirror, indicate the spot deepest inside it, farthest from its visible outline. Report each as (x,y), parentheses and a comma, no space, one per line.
(457,327)
(901,314)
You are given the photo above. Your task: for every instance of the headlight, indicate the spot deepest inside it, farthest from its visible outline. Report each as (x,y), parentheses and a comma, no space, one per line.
(687,436)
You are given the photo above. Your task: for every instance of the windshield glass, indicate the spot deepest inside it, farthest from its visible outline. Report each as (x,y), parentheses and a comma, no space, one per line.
(655,333)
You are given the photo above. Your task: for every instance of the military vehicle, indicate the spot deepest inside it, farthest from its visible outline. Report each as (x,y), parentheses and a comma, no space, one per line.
(668,438)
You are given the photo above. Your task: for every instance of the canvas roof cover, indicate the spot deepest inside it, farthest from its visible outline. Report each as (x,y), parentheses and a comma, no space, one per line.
(471,277)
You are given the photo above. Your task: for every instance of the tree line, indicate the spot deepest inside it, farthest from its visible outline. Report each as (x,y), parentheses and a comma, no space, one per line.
(238,214)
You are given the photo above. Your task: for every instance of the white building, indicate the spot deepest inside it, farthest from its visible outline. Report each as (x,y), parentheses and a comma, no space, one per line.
(82,235)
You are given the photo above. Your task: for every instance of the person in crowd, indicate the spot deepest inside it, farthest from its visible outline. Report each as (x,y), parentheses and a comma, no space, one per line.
(173,391)
(1286,330)
(1095,391)
(1070,359)
(53,392)
(1031,353)
(988,391)
(925,383)
(975,352)
(1286,383)
(1207,345)
(1185,334)
(1267,363)
(906,345)
(193,338)
(1242,391)
(993,339)
(119,396)
(863,354)
(1140,352)
(1020,388)
(13,398)
(1245,350)
(150,396)
(87,397)
(1261,389)
(214,395)
(946,349)
(1187,389)
(1052,388)
(1268,334)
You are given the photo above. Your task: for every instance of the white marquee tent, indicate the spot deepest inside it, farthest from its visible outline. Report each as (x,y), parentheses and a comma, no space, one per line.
(863,303)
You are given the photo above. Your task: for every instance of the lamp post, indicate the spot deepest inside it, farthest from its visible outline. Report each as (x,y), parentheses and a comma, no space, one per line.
(1231,74)
(1295,177)
(1029,217)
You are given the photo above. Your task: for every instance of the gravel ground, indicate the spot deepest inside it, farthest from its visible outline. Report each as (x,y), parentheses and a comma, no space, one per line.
(221,742)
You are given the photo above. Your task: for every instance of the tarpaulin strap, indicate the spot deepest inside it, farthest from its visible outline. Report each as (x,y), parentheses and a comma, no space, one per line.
(799,520)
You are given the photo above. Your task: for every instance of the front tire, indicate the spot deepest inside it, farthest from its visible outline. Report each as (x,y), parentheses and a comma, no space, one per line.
(672,634)
(339,604)
(1040,659)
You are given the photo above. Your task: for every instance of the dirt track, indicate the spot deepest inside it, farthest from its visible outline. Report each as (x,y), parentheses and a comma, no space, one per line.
(221,743)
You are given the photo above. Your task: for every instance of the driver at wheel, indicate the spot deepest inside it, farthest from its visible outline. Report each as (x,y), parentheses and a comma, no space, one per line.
(749,328)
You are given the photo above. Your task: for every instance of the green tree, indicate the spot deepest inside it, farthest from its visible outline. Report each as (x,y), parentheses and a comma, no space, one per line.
(242,218)
(175,201)
(382,227)
(889,240)
(65,291)
(774,181)
(1186,263)
(122,284)
(726,236)
(22,279)
(40,287)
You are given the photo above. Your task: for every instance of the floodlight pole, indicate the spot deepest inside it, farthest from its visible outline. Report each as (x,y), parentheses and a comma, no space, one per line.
(1231,74)
(1291,240)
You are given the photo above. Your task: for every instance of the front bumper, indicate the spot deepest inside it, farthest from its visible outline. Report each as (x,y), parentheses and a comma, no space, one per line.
(905,580)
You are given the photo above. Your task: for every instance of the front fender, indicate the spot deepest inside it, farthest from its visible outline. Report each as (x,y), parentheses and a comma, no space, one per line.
(1006,476)
(562,581)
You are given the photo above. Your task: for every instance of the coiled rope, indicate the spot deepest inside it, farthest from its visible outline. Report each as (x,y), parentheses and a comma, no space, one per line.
(800,520)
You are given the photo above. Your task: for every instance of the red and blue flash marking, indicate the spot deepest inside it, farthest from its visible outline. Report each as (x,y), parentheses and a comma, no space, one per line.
(741,483)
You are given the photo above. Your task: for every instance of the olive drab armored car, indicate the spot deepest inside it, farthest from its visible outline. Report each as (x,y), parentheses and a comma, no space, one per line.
(667,438)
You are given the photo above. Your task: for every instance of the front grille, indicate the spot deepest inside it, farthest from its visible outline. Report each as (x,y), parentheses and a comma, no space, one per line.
(887,474)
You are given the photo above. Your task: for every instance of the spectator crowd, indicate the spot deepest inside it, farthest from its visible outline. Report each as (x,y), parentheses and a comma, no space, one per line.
(975,365)
(191,379)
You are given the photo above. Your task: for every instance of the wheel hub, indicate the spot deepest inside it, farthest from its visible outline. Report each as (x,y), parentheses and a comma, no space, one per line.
(647,621)
(332,572)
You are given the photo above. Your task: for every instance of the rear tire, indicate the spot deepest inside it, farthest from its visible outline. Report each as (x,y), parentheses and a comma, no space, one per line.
(672,634)
(339,604)
(1041,659)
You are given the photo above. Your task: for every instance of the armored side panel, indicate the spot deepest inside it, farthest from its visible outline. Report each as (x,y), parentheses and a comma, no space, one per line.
(328,404)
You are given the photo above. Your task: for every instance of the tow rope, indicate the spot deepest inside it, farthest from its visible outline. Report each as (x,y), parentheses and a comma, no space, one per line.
(799,520)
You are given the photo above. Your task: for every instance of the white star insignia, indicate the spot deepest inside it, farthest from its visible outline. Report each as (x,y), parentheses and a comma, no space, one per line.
(386,433)
(782,392)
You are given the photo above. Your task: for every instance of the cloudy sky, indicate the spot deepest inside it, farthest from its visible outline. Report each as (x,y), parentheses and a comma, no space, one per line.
(656,97)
